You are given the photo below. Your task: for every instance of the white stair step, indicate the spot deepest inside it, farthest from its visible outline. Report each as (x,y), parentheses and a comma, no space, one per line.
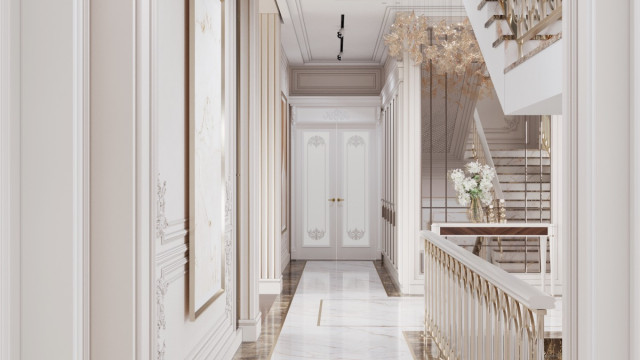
(531,153)
(516,169)
(520,268)
(521,187)
(531,204)
(519,178)
(530,195)
(502,161)
(531,214)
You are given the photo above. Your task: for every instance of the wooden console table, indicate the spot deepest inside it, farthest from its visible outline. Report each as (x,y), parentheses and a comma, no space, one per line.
(544,231)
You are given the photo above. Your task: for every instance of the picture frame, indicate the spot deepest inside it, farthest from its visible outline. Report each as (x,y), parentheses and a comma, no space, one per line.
(206,154)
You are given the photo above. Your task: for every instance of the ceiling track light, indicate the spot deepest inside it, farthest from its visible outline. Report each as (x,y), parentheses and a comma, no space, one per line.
(341,37)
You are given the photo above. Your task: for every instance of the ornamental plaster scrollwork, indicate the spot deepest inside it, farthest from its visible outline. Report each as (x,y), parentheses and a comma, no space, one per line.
(316,141)
(162,285)
(355,234)
(228,286)
(161,218)
(355,141)
(227,204)
(316,234)
(336,115)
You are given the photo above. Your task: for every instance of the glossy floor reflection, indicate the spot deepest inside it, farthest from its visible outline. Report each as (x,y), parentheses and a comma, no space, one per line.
(342,311)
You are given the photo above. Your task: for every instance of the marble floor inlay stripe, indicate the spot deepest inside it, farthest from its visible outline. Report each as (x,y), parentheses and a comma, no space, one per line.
(272,322)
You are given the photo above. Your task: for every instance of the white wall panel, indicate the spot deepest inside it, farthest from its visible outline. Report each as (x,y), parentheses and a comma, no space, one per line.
(356,175)
(213,333)
(316,190)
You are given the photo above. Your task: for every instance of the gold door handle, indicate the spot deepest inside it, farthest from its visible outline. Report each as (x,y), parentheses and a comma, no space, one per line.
(339,199)
(332,199)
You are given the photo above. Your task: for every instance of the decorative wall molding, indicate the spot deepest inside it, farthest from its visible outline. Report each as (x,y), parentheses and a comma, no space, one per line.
(162,286)
(218,338)
(161,219)
(176,230)
(228,250)
(334,80)
(336,115)
(228,203)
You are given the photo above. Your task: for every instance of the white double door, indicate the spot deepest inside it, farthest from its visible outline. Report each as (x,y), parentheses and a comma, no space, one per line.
(335,214)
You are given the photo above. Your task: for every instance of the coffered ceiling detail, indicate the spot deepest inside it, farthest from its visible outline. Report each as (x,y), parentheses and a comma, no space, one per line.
(309,29)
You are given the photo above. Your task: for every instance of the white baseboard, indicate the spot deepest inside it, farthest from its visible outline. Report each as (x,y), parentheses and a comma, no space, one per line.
(251,329)
(270,286)
(236,340)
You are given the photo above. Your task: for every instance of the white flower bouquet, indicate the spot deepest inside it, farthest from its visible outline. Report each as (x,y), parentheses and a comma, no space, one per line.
(477,185)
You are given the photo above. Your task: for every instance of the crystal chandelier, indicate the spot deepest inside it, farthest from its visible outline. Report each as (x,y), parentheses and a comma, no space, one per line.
(442,48)
(409,32)
(454,49)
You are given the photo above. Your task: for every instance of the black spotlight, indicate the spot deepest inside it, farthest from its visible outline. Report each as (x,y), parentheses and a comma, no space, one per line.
(341,37)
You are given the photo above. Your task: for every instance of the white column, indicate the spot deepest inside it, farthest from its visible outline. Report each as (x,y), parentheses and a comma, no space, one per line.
(248,186)
(408,177)
(119,133)
(270,269)
(52,166)
(597,111)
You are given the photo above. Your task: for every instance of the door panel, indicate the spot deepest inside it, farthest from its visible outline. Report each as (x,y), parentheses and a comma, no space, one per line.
(336,176)
(355,189)
(316,189)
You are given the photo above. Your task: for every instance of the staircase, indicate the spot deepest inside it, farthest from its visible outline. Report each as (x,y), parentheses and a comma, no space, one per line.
(516,44)
(525,178)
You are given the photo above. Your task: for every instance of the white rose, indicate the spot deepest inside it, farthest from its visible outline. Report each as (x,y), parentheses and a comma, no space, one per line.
(486,198)
(485,185)
(463,199)
(488,173)
(474,167)
(469,184)
(457,175)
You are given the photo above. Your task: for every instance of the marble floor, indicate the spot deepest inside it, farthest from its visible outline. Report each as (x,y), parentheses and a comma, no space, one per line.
(342,311)
(349,310)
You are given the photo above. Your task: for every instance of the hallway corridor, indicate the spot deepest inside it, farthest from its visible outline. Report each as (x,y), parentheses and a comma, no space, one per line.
(341,310)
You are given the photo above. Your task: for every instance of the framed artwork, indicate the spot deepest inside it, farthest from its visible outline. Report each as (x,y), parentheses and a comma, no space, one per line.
(206,154)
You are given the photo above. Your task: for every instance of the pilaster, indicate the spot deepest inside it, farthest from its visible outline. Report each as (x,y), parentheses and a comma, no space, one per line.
(270,148)
(408,192)
(249,316)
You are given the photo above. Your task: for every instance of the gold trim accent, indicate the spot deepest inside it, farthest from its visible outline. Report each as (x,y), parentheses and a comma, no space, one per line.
(320,311)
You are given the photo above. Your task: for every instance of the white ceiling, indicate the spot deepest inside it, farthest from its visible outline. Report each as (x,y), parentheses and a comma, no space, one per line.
(309,29)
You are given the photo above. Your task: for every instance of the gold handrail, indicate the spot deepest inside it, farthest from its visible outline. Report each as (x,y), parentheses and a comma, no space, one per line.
(527,18)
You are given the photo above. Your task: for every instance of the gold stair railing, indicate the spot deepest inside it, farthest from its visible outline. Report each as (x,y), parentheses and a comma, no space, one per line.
(527,18)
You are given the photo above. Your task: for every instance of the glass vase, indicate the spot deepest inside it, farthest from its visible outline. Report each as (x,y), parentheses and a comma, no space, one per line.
(475,211)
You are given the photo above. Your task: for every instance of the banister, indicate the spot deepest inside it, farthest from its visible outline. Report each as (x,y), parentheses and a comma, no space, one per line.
(475,310)
(524,293)
(527,18)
